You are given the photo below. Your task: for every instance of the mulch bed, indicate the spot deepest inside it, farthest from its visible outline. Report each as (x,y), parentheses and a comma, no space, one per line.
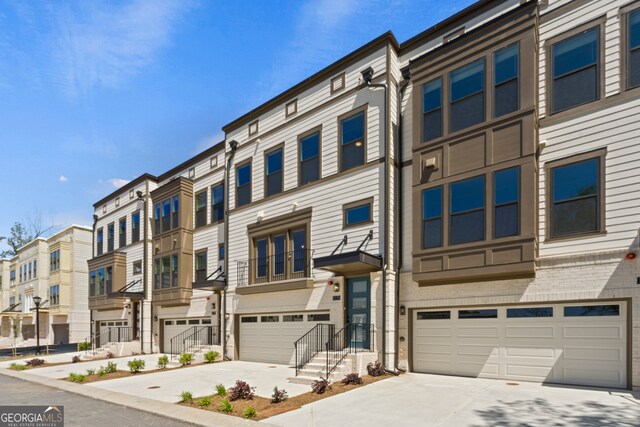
(123,374)
(266,409)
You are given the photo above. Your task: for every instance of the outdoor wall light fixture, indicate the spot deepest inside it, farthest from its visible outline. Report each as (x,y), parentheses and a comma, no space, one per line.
(367,74)
(403,310)
(336,287)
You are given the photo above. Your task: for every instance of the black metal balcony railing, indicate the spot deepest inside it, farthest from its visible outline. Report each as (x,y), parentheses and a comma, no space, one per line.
(287,265)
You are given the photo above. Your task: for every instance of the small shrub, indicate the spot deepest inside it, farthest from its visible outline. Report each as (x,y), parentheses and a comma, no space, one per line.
(101,372)
(186,397)
(320,386)
(185,359)
(35,362)
(77,378)
(111,367)
(135,365)
(75,359)
(241,391)
(163,361)
(91,371)
(84,346)
(110,355)
(18,366)
(220,390)
(375,369)
(204,401)
(249,413)
(279,395)
(353,378)
(211,356)
(225,407)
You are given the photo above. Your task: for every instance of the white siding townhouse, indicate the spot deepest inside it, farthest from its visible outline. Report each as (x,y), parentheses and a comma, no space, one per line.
(462,203)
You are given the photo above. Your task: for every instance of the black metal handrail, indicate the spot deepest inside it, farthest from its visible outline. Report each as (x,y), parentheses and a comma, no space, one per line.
(111,334)
(311,343)
(194,336)
(272,268)
(348,340)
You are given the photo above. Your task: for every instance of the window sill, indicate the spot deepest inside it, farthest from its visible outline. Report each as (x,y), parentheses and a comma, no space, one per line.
(575,236)
(285,285)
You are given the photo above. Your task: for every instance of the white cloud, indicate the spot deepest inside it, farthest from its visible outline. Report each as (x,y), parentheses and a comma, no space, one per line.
(104,43)
(118,182)
(63,178)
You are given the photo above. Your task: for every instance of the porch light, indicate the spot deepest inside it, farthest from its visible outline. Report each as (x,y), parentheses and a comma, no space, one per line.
(336,287)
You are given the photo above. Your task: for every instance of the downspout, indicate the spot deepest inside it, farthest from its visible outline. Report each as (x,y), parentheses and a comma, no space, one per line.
(233,144)
(406,75)
(146,273)
(367,76)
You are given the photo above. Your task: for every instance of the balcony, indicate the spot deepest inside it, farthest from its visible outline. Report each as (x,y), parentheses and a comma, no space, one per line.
(281,272)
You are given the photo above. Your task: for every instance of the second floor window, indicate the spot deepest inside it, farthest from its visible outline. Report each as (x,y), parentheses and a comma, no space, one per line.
(466,222)
(217,203)
(357,213)
(505,91)
(54,295)
(352,143)
(281,255)
(273,173)
(92,284)
(135,227)
(506,195)
(99,241)
(432,218)
(201,209)
(575,70)
(243,184)
(100,289)
(122,233)
(633,49)
(201,266)
(575,200)
(156,218)
(108,279)
(467,96)
(166,215)
(175,211)
(110,236)
(309,150)
(432,110)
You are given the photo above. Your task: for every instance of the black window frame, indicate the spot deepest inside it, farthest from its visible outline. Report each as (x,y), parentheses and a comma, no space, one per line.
(273,180)
(551,85)
(312,162)
(502,84)
(247,187)
(453,104)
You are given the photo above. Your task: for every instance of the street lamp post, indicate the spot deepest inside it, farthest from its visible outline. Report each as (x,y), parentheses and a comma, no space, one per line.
(37,301)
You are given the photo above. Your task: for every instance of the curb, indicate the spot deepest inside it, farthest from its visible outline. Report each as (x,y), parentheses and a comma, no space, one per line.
(169,410)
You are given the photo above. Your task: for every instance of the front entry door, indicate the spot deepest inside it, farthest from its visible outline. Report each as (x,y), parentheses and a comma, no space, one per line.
(359,311)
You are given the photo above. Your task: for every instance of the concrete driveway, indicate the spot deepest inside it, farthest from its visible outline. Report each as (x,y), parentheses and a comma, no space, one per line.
(434,400)
(201,380)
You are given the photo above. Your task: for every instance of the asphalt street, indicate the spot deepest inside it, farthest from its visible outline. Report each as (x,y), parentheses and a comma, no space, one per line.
(78,410)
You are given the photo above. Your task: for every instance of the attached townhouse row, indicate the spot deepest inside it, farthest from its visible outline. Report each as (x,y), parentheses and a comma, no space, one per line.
(52,269)
(463,203)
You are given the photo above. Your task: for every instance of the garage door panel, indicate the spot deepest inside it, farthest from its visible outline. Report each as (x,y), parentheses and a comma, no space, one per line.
(478,331)
(528,332)
(544,343)
(593,331)
(593,353)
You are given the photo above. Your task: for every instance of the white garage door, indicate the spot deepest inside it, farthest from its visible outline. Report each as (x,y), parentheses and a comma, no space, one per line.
(174,327)
(270,337)
(580,344)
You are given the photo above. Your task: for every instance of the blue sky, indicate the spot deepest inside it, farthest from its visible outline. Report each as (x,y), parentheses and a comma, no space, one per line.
(93,94)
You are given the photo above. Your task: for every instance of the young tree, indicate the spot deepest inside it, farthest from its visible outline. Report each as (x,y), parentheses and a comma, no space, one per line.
(21,234)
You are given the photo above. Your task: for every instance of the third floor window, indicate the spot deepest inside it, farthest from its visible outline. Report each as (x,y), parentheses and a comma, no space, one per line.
(309,151)
(110,236)
(505,80)
(135,227)
(467,96)
(122,232)
(99,241)
(217,203)
(201,209)
(243,184)
(352,141)
(273,173)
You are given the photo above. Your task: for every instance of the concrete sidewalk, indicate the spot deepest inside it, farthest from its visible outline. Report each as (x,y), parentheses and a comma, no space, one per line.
(434,400)
(176,412)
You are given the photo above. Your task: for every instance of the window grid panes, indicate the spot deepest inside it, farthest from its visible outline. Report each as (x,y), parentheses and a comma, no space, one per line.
(273,172)
(466,207)
(217,203)
(201,209)
(633,50)
(467,96)
(575,198)
(432,218)
(506,84)
(506,193)
(432,109)
(575,70)
(309,158)
(243,184)
(352,143)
